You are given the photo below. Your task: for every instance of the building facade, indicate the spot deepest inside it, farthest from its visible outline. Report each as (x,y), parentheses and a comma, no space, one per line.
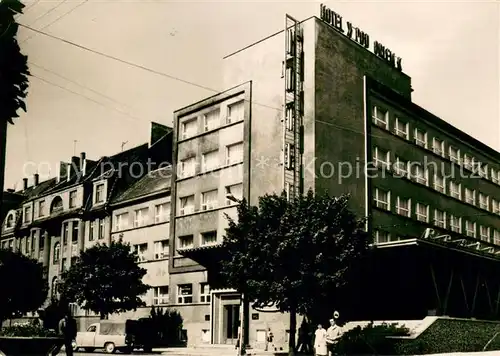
(58,218)
(324,107)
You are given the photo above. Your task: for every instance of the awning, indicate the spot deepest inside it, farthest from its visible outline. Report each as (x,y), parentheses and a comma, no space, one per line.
(210,257)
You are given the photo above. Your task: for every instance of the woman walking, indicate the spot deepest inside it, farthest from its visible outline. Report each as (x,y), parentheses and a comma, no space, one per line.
(320,341)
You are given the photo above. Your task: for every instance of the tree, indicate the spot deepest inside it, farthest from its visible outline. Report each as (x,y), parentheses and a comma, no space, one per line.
(13,75)
(22,284)
(293,254)
(105,279)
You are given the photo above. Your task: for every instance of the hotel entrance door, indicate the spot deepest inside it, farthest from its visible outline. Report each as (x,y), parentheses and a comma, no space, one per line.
(231,323)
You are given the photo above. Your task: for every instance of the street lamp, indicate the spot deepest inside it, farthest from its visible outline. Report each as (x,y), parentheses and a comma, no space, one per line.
(243,340)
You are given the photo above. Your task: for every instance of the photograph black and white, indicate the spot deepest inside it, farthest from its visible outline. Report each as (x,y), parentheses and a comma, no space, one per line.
(249,178)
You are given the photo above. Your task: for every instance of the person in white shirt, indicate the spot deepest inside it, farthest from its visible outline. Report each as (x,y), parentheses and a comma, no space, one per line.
(320,341)
(332,335)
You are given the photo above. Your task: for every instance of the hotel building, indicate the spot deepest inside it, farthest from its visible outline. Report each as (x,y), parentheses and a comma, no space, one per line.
(305,104)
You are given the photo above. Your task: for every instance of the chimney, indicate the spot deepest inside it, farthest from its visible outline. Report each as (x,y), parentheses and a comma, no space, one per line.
(25,183)
(63,172)
(36,179)
(83,162)
(69,171)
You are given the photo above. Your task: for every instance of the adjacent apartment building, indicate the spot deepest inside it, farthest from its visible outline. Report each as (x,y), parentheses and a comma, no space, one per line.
(322,106)
(56,219)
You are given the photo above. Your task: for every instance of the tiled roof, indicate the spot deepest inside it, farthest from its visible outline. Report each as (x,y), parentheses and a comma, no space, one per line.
(153,182)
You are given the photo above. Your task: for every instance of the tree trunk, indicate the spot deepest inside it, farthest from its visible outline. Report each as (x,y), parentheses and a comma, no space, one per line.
(103,316)
(3,149)
(293,331)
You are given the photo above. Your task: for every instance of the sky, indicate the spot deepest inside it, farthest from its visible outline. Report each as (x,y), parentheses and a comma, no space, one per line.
(451,49)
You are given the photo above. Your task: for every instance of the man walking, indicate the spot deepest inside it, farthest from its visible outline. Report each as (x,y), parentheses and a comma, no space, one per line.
(332,334)
(67,328)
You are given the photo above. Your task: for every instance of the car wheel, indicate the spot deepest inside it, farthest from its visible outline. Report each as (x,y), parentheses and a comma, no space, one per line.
(109,347)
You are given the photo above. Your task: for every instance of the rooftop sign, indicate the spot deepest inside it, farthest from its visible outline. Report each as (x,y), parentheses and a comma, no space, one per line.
(360,37)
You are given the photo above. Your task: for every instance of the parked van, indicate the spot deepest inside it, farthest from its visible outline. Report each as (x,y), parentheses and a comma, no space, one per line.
(107,335)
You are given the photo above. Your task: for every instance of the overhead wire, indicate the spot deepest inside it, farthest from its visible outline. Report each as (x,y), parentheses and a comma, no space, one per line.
(48,12)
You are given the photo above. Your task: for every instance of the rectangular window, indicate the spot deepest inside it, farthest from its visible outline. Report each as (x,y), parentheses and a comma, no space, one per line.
(484,233)
(91,230)
(99,193)
(420,174)
(235,112)
(484,201)
(187,167)
(141,217)
(209,200)
(161,249)
(162,212)
(470,228)
(468,162)
(496,237)
(382,236)
(438,146)
(382,199)
(211,120)
(455,224)
(100,235)
(288,190)
(290,116)
(455,190)
(27,214)
(422,212)
(380,117)
(75,231)
(420,138)
(439,183)
(402,129)
(236,191)
(208,238)
(186,205)
(141,250)
(65,233)
(189,128)
(41,208)
(72,198)
(454,154)
(470,196)
(185,293)
(204,293)
(234,153)
(481,169)
(401,167)
(121,222)
(210,161)
(289,156)
(495,176)
(381,158)
(290,80)
(495,206)
(160,295)
(403,206)
(186,241)
(440,218)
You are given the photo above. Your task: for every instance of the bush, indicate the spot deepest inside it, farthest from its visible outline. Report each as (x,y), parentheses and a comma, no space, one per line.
(371,340)
(167,325)
(27,330)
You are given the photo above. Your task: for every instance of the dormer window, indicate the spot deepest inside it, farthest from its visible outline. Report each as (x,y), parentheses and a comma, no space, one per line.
(56,206)
(99,193)
(9,223)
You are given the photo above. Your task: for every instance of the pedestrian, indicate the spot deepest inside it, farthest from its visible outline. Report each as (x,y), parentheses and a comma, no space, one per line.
(332,335)
(269,339)
(304,345)
(67,328)
(320,341)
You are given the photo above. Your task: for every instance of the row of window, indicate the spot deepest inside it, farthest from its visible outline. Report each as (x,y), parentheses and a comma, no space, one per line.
(142,217)
(210,199)
(441,219)
(380,117)
(184,294)
(211,160)
(206,238)
(213,119)
(415,171)
(160,249)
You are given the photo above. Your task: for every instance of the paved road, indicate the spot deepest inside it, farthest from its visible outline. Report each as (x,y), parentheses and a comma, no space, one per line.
(100,353)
